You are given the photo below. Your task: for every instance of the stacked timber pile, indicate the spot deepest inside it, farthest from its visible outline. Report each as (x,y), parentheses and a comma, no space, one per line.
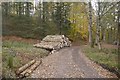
(54,42)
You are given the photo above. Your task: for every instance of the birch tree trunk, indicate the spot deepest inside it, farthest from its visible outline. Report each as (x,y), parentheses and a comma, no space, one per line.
(98,28)
(90,26)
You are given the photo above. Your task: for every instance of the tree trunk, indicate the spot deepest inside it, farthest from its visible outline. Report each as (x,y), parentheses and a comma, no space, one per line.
(108,36)
(118,34)
(98,28)
(20,8)
(90,26)
(27,9)
(111,35)
(60,21)
(104,35)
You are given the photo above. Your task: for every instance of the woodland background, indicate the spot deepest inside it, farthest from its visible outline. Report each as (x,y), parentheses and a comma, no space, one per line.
(94,23)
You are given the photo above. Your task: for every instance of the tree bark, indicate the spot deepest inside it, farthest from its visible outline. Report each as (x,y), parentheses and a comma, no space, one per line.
(27,9)
(111,35)
(104,35)
(118,34)
(90,25)
(29,70)
(98,28)
(20,8)
(21,69)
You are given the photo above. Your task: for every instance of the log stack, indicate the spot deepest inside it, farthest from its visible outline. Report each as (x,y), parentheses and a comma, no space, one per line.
(54,42)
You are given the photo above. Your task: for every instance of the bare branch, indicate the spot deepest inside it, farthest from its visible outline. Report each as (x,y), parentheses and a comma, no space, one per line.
(109,9)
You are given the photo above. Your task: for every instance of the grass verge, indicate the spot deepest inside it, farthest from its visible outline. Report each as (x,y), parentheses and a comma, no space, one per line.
(17,53)
(107,58)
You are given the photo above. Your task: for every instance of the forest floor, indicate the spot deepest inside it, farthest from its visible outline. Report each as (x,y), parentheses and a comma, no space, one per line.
(70,63)
(16,52)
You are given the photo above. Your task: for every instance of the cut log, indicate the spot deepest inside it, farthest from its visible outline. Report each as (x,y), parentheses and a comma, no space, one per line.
(21,69)
(32,68)
(48,45)
(29,70)
(54,38)
(53,51)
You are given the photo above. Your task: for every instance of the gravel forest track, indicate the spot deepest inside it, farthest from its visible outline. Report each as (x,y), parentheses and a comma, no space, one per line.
(69,62)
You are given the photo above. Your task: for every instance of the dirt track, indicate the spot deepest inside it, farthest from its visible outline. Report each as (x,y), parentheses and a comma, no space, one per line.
(69,63)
